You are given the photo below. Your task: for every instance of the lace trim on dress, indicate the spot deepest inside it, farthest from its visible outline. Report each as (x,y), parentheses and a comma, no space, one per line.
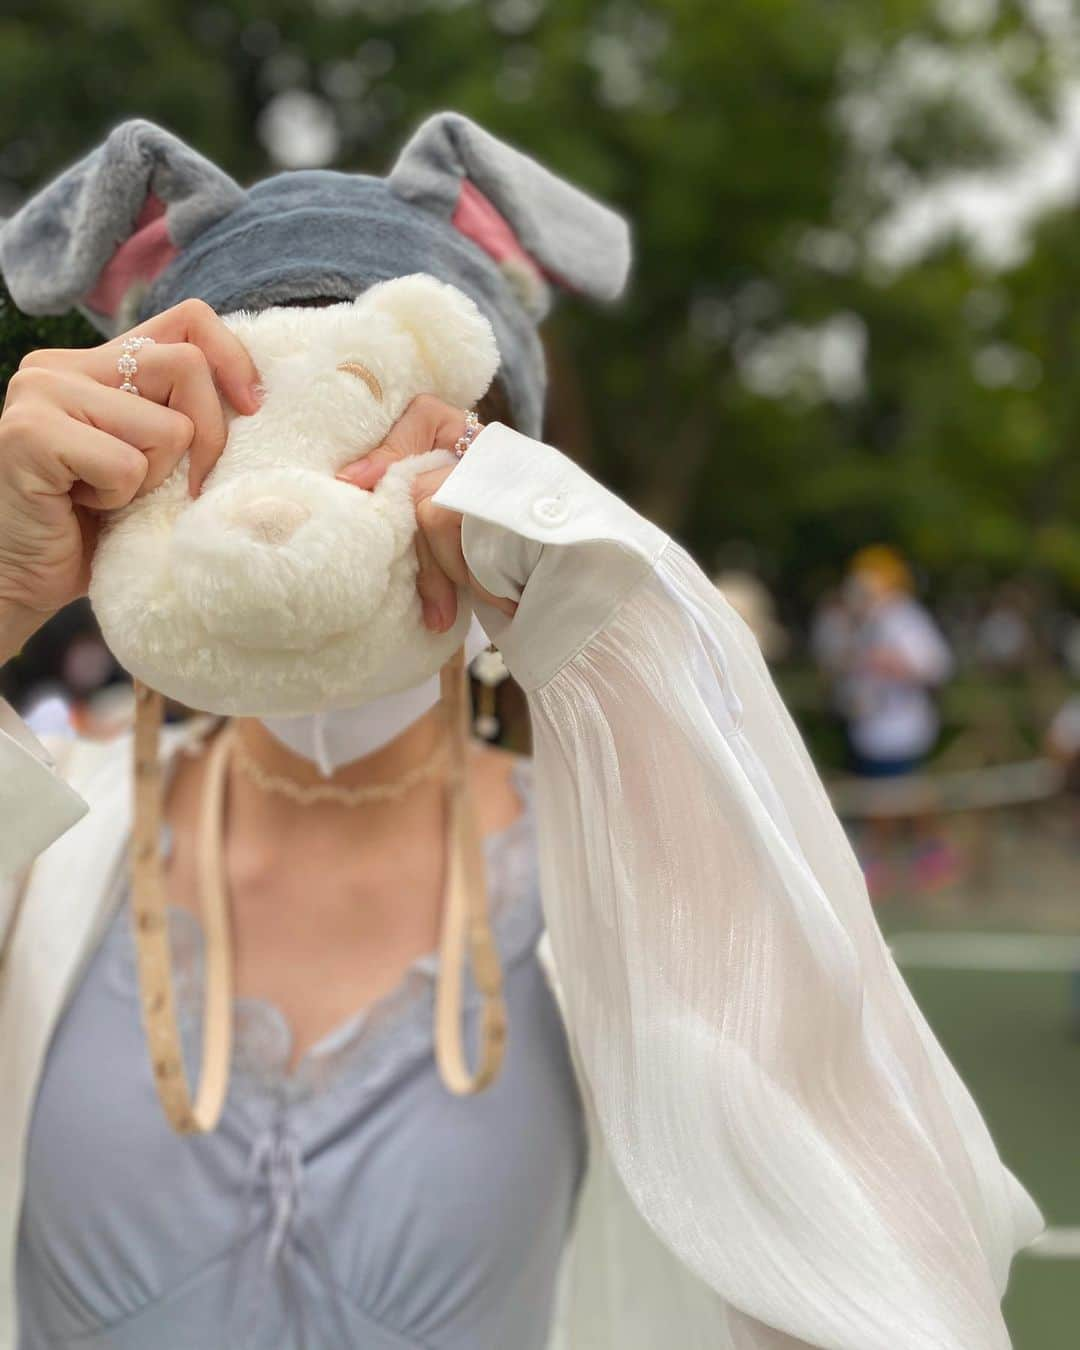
(262,1037)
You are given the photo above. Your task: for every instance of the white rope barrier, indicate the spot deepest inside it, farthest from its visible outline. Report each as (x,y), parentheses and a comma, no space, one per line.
(1019,784)
(1002,953)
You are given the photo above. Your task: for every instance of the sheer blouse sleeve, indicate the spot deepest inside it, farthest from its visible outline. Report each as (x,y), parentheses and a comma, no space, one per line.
(772,1100)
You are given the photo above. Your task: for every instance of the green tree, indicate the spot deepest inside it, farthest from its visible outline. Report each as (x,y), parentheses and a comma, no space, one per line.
(765,384)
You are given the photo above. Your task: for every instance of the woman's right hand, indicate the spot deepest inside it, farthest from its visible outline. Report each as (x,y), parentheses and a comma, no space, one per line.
(73,445)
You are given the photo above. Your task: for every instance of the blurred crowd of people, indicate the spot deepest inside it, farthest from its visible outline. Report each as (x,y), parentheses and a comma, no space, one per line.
(885,659)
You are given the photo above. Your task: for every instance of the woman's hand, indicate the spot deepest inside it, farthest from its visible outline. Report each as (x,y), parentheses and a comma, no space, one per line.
(428,424)
(73,444)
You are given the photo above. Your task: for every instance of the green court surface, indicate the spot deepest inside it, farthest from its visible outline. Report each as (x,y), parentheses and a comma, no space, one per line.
(1006,1027)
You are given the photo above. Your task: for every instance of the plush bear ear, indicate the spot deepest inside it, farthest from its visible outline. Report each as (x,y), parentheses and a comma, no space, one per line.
(106,227)
(537,227)
(456,342)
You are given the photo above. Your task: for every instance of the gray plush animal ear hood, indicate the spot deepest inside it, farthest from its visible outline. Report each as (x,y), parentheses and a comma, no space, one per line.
(144,221)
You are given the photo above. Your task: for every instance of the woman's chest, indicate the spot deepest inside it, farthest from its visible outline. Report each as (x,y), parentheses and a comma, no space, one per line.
(344,1182)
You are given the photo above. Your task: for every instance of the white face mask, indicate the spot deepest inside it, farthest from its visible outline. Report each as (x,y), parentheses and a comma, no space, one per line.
(332,739)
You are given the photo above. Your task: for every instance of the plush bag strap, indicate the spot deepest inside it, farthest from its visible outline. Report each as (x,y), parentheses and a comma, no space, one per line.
(150,920)
(466,924)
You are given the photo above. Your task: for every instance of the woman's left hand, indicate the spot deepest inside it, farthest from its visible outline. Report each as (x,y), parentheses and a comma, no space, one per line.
(428,424)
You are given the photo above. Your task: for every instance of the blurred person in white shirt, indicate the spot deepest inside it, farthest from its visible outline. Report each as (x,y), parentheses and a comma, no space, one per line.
(896,658)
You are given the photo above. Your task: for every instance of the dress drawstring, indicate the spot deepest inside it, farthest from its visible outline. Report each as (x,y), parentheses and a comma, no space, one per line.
(278,1155)
(274,1176)
(274,1166)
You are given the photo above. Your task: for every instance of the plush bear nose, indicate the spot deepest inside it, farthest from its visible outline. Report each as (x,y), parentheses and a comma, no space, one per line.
(271,520)
(285,559)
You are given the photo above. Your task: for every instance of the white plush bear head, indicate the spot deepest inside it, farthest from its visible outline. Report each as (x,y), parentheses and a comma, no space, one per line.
(281,590)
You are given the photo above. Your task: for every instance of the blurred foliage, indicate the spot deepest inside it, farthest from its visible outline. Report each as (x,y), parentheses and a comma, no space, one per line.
(767,391)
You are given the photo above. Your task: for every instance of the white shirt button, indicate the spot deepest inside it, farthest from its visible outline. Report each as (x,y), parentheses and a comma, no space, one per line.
(550,510)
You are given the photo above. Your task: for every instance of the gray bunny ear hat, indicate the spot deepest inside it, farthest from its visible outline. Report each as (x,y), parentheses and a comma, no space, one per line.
(144,221)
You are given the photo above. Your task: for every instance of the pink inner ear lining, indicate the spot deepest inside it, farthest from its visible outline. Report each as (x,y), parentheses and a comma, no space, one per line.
(142,257)
(477,219)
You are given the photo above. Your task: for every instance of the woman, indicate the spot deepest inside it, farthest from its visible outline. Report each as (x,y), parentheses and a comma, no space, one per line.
(739,1133)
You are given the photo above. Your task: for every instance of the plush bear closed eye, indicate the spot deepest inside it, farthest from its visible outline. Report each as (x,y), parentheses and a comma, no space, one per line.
(280,589)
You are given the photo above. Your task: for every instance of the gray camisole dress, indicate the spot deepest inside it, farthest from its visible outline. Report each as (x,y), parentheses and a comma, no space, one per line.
(350,1204)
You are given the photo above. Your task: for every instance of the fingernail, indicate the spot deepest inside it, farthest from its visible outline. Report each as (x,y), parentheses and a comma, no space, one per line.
(360,473)
(447,614)
(432,616)
(255,396)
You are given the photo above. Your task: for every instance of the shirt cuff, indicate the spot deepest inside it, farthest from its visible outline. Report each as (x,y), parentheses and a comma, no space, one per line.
(539,530)
(36,805)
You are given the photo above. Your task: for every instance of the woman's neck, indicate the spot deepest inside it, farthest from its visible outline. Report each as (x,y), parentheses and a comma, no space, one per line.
(388,765)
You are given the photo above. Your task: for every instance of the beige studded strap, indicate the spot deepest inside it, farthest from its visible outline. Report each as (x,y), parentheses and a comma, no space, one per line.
(466,925)
(150,919)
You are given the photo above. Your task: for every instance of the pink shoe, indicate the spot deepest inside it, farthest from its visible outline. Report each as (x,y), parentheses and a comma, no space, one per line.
(880,880)
(935,866)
